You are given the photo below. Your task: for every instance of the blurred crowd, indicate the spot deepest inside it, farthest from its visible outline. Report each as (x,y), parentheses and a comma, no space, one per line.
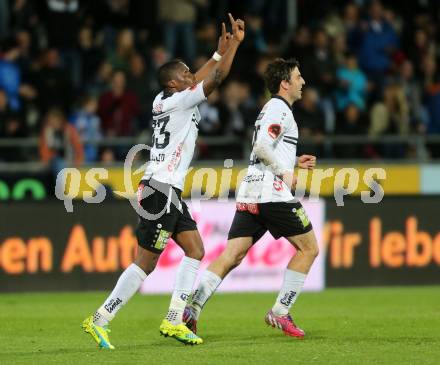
(73,72)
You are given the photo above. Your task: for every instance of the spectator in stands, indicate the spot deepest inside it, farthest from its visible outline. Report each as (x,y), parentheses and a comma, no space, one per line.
(11,75)
(10,128)
(210,116)
(177,18)
(234,111)
(319,69)
(24,15)
(120,57)
(339,48)
(62,22)
(420,48)
(300,44)
(90,55)
(351,84)
(60,143)
(139,81)
(256,81)
(26,52)
(207,39)
(391,116)
(310,121)
(88,125)
(351,121)
(118,108)
(351,23)
(5,109)
(431,81)
(102,80)
(53,82)
(379,42)
(4,19)
(255,42)
(413,93)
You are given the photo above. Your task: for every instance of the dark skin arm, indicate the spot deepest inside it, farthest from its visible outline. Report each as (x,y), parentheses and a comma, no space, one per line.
(219,73)
(223,45)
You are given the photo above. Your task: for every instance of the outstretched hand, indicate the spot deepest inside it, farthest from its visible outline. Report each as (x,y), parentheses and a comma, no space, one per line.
(237,28)
(223,41)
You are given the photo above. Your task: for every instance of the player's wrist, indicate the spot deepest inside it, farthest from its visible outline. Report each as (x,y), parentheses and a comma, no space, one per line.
(217,56)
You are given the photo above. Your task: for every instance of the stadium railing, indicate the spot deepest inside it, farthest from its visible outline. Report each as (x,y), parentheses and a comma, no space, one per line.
(418,142)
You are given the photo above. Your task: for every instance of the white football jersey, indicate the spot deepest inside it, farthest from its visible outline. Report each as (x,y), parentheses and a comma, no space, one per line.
(275,128)
(175,123)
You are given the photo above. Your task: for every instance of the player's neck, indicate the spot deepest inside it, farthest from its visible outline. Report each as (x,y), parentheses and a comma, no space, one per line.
(285,97)
(167,92)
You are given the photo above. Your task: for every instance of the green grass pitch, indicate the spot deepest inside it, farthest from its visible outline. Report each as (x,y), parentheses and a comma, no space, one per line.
(343,326)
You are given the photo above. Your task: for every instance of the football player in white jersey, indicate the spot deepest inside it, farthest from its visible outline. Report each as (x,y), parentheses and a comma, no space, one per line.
(265,202)
(162,213)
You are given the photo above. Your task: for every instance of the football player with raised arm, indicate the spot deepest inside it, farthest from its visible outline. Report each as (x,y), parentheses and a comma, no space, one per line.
(162,213)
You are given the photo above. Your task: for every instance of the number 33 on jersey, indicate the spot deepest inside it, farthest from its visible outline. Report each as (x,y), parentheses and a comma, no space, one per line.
(175,130)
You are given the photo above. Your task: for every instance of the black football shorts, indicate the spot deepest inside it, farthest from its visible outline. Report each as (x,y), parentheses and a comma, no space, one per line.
(281,219)
(162,214)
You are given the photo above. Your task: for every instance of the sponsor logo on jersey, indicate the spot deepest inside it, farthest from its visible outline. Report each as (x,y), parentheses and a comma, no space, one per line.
(274,130)
(111,306)
(184,297)
(254,178)
(158,109)
(176,157)
(288,297)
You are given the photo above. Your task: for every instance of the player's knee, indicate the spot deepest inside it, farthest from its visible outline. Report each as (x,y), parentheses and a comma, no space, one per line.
(196,253)
(147,266)
(312,249)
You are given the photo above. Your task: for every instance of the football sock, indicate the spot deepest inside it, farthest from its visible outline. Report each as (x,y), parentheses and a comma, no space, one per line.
(128,284)
(208,285)
(185,278)
(292,285)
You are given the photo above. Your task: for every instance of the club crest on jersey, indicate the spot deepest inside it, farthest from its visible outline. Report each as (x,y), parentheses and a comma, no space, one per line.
(274,130)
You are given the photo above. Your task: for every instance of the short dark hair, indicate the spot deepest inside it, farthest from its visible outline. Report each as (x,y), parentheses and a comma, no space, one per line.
(277,71)
(166,72)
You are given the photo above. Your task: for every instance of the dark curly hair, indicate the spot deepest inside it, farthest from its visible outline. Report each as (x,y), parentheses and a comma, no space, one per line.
(277,71)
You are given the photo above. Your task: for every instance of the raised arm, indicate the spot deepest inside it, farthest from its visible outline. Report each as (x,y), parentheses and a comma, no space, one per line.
(219,73)
(223,45)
